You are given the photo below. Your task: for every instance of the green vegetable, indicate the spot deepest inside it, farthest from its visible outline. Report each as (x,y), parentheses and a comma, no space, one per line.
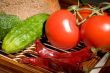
(7,22)
(24,34)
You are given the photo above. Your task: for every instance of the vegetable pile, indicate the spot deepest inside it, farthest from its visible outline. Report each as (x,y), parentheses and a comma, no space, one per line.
(64,39)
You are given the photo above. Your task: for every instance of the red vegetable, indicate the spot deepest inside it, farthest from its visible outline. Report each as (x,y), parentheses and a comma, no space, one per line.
(59,61)
(36,62)
(54,65)
(61,30)
(95,32)
(45,52)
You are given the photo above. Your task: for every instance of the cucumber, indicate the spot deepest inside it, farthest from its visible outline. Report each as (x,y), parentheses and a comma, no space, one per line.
(24,34)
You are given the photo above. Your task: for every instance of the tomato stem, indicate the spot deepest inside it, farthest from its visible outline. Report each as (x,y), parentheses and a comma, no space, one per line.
(94,50)
(95,11)
(106,7)
(79,15)
(73,8)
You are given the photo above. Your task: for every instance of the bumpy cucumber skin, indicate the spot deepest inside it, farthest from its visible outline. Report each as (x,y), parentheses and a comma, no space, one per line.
(7,22)
(24,34)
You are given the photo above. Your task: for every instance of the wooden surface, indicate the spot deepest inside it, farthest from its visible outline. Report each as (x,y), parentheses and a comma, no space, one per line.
(90,65)
(8,65)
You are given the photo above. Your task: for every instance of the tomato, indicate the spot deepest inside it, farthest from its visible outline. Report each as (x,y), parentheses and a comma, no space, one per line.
(61,30)
(84,13)
(95,32)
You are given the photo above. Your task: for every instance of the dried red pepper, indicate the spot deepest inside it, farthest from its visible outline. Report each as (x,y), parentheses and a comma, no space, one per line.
(59,61)
(46,52)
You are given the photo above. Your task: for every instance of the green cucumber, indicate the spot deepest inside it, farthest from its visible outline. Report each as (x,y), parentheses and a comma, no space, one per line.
(24,34)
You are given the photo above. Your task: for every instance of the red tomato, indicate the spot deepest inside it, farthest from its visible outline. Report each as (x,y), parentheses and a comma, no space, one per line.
(61,30)
(95,32)
(84,13)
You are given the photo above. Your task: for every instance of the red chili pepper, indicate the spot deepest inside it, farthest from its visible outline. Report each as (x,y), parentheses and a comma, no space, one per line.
(40,62)
(35,61)
(55,65)
(59,61)
(45,52)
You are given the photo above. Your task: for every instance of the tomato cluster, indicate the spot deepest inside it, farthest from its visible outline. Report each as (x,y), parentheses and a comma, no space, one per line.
(63,33)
